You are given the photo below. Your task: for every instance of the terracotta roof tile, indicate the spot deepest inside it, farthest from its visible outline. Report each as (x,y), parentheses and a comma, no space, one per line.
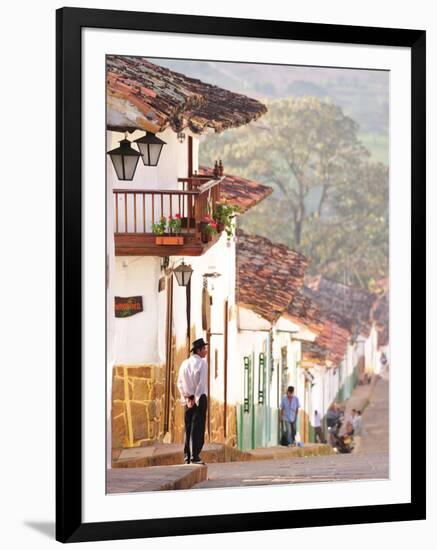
(142,95)
(348,306)
(334,339)
(240,192)
(313,353)
(331,340)
(268,275)
(303,310)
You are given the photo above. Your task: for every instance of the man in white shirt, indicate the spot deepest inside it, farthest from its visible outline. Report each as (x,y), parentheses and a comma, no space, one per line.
(192,385)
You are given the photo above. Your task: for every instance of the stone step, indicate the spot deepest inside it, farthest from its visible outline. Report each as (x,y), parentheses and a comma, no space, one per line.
(169,454)
(280,452)
(155,478)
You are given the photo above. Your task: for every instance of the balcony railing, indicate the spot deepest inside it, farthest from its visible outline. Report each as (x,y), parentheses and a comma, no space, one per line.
(136,210)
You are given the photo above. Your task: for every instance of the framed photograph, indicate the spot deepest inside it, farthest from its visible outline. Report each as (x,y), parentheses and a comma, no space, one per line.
(240,270)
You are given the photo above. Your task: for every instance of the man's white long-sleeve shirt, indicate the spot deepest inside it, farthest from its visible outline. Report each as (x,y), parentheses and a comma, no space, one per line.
(192,378)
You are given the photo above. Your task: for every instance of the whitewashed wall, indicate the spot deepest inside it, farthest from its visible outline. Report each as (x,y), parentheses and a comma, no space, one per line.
(173,164)
(319,400)
(250,344)
(350,360)
(255,336)
(219,258)
(137,336)
(370,352)
(141,338)
(282,338)
(110,322)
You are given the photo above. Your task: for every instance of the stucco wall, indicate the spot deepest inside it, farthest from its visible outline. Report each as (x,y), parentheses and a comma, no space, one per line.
(173,164)
(141,339)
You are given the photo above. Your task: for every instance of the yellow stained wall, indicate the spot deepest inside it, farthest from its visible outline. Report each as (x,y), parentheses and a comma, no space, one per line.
(138,402)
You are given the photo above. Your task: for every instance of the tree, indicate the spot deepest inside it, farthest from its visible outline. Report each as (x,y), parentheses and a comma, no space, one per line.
(329,201)
(301,145)
(352,244)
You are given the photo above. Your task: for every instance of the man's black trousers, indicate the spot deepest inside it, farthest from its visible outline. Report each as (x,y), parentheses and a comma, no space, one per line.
(195,418)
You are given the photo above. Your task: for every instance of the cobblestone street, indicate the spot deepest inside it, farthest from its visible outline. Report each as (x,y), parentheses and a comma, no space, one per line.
(372,462)
(169,473)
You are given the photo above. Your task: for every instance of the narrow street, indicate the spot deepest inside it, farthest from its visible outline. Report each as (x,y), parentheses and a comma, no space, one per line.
(372,462)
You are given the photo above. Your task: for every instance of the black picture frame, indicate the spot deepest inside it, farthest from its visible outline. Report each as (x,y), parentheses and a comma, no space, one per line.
(70,22)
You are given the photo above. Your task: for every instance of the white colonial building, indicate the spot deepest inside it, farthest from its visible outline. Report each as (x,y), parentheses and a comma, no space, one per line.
(151,319)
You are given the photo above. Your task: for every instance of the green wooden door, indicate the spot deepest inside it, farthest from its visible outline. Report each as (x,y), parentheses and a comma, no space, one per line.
(256,421)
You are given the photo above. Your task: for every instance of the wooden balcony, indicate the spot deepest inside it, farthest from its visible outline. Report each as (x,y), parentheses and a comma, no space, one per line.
(136,210)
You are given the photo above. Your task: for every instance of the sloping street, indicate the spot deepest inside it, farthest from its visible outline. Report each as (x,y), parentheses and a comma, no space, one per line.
(372,462)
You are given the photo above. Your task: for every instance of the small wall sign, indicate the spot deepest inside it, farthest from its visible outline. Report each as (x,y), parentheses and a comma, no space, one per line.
(126,307)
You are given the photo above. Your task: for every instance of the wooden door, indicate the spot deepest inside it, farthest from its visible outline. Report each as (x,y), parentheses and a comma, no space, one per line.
(225,366)
(168,355)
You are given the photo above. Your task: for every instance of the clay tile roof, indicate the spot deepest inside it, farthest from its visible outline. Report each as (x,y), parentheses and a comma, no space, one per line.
(329,346)
(142,95)
(348,306)
(303,310)
(313,353)
(268,275)
(240,192)
(334,339)
(331,340)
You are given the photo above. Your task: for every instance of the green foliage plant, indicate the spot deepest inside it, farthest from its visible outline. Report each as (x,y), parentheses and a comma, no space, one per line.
(175,224)
(159,228)
(225,214)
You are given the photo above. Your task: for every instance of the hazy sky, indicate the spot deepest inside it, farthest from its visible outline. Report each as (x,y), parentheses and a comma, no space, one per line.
(362,94)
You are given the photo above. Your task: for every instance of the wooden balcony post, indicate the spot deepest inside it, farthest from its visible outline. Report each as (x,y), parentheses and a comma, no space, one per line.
(144,212)
(116,212)
(135,212)
(125,213)
(190,214)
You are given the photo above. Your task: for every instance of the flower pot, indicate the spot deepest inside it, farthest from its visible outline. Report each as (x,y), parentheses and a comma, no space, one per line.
(188,223)
(205,236)
(169,240)
(220,227)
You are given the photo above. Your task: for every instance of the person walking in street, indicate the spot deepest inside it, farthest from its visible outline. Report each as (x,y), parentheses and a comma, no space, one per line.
(358,431)
(192,386)
(289,414)
(318,432)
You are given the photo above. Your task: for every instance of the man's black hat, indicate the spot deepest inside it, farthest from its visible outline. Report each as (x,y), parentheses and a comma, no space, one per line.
(199,343)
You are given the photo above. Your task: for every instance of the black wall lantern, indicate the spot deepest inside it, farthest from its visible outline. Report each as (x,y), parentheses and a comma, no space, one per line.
(183,274)
(150,148)
(124,160)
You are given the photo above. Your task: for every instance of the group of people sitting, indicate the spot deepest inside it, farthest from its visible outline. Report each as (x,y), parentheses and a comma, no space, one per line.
(335,419)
